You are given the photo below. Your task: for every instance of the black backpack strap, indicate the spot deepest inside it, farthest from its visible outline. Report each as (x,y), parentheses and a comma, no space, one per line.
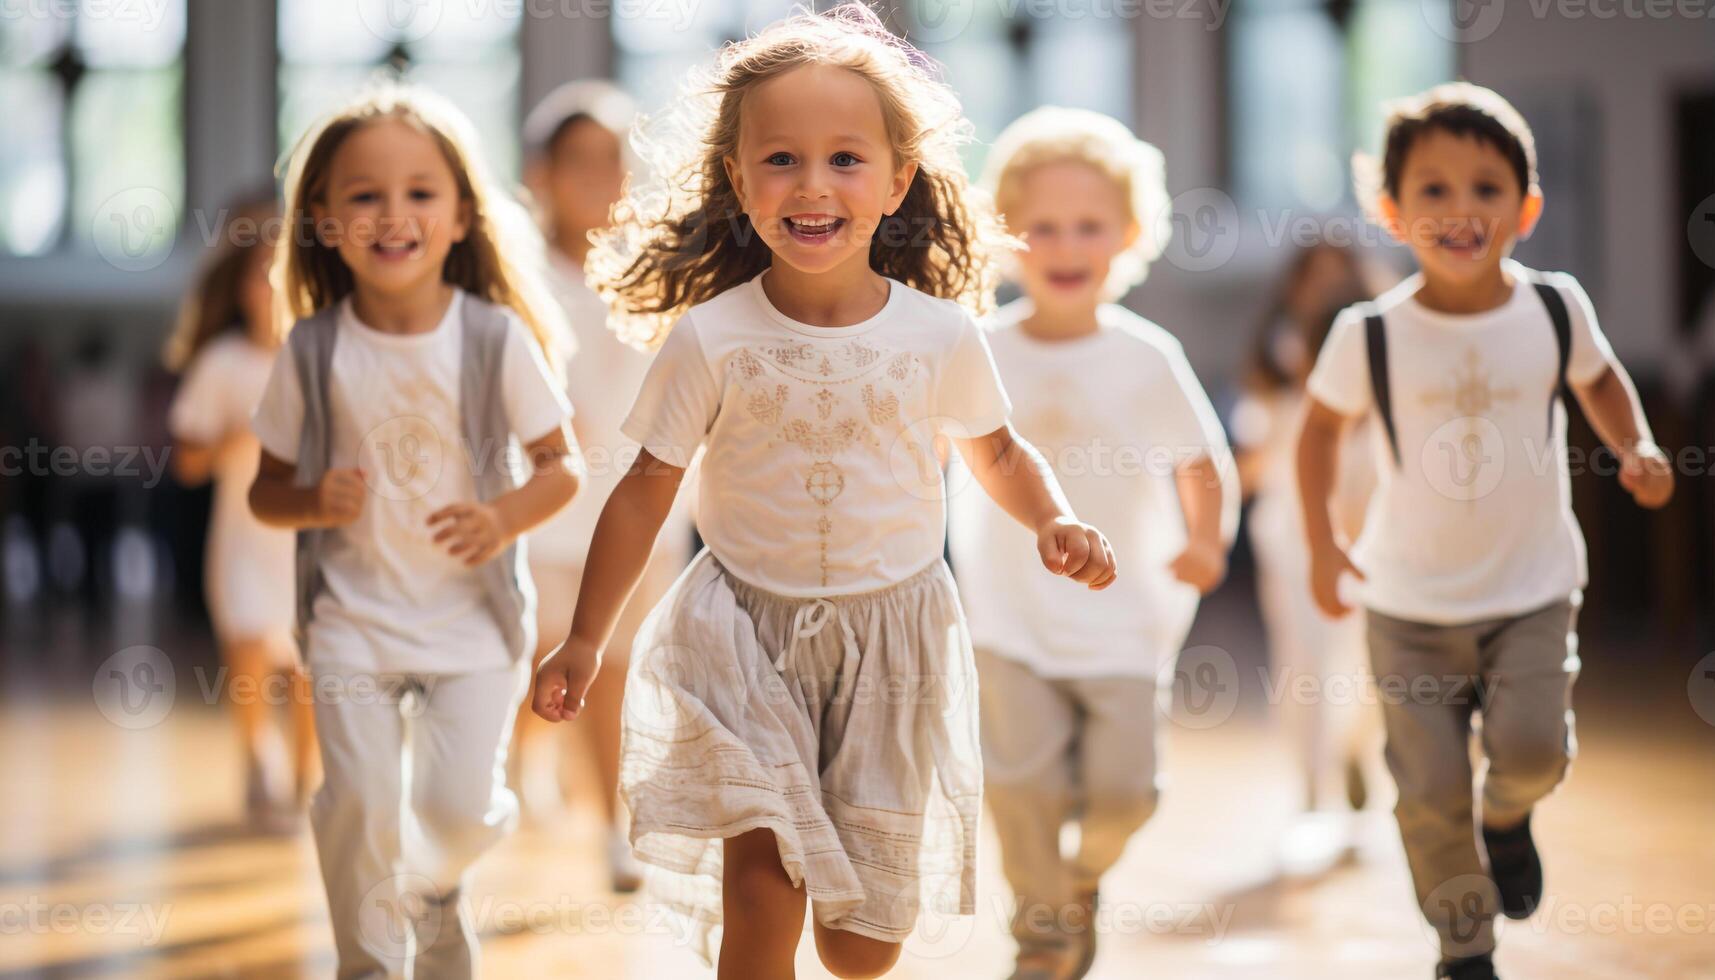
(1375,338)
(1562,320)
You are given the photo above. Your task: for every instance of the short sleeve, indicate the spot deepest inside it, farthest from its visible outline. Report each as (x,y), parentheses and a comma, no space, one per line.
(1341,378)
(969,395)
(678,400)
(535,403)
(1183,418)
(202,407)
(279,418)
(1591,353)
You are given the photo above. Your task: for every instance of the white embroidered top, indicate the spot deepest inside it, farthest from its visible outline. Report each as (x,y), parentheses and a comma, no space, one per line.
(821,475)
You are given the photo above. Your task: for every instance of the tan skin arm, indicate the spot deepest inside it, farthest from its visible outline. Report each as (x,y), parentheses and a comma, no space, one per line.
(1203,563)
(1318,461)
(473,531)
(1016,477)
(1611,404)
(619,551)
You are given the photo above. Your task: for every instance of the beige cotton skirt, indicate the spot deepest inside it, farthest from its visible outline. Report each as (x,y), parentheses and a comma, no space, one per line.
(847,725)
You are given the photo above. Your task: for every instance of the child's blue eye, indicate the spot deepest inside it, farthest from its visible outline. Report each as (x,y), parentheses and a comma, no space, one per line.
(363,197)
(780,160)
(844,159)
(422,195)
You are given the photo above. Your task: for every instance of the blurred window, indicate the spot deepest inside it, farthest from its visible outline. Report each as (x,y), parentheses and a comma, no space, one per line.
(94,153)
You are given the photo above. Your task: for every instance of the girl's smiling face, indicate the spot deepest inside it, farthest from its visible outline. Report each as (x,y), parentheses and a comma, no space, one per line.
(815,170)
(1460,207)
(391,206)
(1074,220)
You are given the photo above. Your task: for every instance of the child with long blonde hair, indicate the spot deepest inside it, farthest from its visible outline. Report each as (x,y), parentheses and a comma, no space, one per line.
(800,717)
(224,345)
(390,433)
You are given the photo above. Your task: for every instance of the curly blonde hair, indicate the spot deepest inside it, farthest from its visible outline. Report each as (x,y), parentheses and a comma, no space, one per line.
(682,237)
(1053,134)
(500,259)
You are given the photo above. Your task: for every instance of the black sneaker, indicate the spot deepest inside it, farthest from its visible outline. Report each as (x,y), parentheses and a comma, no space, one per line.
(1470,968)
(1516,868)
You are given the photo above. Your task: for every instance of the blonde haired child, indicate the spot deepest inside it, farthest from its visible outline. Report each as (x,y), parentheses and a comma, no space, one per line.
(800,723)
(389,435)
(1072,680)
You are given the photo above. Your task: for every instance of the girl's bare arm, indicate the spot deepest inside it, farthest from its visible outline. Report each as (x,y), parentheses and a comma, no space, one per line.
(624,537)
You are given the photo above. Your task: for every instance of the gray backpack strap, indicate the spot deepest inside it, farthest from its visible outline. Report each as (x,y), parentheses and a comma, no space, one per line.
(1381,389)
(310,346)
(488,436)
(1562,320)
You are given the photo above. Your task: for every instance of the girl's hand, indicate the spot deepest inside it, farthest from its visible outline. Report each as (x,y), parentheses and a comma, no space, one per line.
(1327,563)
(563,680)
(1647,475)
(339,497)
(470,531)
(1201,565)
(1078,551)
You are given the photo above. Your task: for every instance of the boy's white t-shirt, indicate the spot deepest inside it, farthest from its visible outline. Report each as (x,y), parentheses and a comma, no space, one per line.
(1476,520)
(1114,413)
(394,600)
(820,476)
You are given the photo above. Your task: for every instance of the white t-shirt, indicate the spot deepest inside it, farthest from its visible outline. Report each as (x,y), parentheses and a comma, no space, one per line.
(394,600)
(820,476)
(602,379)
(1114,413)
(1476,520)
(219,392)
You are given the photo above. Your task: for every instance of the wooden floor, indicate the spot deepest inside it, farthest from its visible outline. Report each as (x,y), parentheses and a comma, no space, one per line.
(120,856)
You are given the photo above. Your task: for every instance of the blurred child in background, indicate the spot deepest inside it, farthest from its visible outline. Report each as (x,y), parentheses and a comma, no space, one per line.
(1072,681)
(1330,731)
(578,162)
(224,346)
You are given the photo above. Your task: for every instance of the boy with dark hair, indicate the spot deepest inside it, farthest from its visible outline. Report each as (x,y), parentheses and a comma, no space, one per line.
(1471,564)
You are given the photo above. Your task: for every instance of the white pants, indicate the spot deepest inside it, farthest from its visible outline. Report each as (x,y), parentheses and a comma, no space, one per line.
(414,793)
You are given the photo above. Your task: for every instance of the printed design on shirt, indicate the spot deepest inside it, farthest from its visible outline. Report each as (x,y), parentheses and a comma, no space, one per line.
(1467,441)
(826,399)
(766,406)
(1050,426)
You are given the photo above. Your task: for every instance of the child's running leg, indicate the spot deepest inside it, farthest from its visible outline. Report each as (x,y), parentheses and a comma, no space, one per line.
(355,817)
(1028,724)
(460,800)
(1116,769)
(762,912)
(1530,666)
(1425,675)
(849,955)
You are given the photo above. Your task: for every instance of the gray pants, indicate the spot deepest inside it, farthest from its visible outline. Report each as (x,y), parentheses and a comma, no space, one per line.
(1056,750)
(396,842)
(1518,673)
